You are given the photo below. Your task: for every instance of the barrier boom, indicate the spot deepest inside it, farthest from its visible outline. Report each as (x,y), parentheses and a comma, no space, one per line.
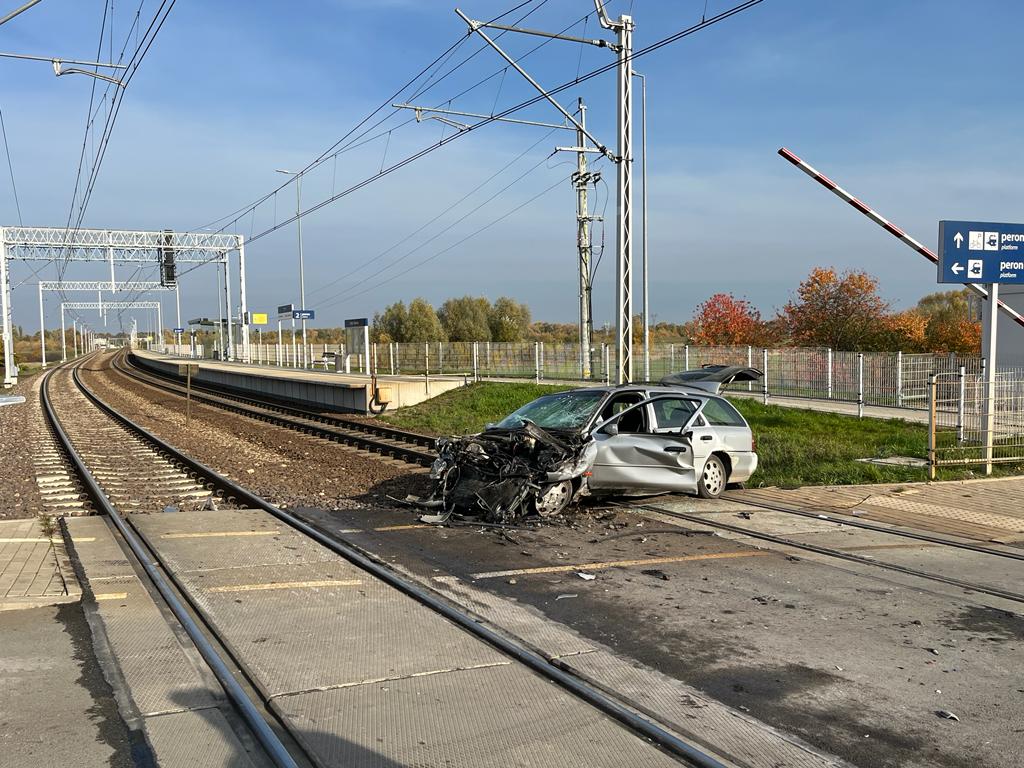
(888,226)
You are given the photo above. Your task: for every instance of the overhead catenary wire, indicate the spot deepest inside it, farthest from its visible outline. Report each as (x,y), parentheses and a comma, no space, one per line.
(10,168)
(510,110)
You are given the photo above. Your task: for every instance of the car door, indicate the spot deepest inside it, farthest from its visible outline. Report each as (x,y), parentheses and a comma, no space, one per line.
(658,458)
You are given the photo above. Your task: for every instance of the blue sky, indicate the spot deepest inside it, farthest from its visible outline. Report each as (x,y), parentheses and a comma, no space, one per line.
(912,106)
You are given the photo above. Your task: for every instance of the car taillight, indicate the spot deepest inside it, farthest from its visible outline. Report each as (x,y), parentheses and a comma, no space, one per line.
(753,442)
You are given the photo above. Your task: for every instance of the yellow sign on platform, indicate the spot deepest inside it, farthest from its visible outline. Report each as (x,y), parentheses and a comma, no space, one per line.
(259,318)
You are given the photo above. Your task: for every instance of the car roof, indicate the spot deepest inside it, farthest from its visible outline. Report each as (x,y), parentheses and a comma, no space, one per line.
(658,389)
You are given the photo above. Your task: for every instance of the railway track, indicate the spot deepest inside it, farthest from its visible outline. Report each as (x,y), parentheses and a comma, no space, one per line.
(113,458)
(838,554)
(386,438)
(399,444)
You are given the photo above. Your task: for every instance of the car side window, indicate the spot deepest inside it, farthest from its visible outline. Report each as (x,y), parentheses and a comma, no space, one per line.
(673,413)
(635,420)
(720,413)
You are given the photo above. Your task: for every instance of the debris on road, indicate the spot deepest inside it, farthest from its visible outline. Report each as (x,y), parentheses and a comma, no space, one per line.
(946,715)
(656,573)
(587,576)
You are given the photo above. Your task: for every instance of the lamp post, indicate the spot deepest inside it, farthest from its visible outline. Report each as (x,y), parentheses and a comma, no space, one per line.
(302,279)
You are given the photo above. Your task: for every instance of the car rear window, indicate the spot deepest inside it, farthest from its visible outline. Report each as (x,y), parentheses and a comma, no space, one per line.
(720,413)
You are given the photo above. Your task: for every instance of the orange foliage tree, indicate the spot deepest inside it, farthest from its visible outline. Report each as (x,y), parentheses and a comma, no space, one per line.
(724,319)
(839,311)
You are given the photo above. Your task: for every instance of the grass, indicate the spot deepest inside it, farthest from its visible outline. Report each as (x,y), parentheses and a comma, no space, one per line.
(467,409)
(795,447)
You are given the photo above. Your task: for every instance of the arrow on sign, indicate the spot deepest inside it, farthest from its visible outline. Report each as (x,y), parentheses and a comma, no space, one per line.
(957,268)
(958,239)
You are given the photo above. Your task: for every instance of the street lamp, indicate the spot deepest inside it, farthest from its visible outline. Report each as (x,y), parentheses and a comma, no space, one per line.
(302,279)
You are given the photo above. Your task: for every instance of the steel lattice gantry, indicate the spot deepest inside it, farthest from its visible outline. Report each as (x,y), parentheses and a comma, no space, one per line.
(72,286)
(115,305)
(62,245)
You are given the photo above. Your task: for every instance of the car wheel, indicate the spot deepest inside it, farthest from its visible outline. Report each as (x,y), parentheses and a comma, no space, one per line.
(712,482)
(553,499)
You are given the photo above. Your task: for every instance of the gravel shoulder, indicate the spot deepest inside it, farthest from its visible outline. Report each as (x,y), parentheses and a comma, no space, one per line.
(21,428)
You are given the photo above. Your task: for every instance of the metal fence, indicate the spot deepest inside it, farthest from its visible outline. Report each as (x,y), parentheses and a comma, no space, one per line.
(891,379)
(968,424)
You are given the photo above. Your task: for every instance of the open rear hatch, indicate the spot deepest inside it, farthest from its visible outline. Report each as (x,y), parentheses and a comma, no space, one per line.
(712,378)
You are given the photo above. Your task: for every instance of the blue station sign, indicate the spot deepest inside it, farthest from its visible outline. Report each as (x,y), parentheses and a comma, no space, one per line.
(179,330)
(981,252)
(303,314)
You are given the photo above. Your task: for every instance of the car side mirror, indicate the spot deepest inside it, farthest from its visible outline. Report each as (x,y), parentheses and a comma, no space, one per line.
(686,434)
(611,429)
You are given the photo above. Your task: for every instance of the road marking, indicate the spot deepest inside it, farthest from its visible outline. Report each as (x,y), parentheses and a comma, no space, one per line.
(616,564)
(288,585)
(214,534)
(111,596)
(406,527)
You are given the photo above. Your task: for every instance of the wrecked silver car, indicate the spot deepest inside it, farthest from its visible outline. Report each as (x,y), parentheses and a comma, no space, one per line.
(627,440)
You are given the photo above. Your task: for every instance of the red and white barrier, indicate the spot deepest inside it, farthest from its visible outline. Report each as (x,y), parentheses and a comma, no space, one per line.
(887,225)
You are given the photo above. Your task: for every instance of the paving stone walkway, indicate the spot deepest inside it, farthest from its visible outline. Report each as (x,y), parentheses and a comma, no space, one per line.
(34,568)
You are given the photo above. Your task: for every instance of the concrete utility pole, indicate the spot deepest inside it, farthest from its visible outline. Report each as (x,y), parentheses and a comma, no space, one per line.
(623,28)
(582,179)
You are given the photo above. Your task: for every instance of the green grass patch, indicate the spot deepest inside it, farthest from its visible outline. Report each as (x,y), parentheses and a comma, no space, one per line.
(795,447)
(467,409)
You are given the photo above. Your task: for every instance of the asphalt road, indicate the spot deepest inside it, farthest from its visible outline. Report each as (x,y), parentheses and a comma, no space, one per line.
(852,659)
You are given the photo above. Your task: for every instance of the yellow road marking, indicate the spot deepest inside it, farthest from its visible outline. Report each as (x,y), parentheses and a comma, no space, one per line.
(215,534)
(616,564)
(288,585)
(404,527)
(111,596)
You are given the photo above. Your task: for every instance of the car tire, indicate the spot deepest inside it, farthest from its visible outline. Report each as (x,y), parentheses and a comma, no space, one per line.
(713,480)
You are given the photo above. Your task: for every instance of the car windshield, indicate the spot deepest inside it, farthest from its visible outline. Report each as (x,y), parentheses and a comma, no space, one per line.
(565,410)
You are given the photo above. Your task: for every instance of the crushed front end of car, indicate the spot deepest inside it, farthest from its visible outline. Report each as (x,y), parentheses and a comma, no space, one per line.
(505,474)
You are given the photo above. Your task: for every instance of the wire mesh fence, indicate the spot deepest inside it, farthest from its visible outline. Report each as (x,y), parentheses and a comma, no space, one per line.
(889,379)
(970,424)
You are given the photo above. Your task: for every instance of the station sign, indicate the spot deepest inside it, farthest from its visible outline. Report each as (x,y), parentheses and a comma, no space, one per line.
(357,322)
(284,311)
(179,330)
(981,252)
(258,318)
(303,314)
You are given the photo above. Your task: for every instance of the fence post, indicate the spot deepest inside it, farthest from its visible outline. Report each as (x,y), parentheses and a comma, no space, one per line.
(830,362)
(440,357)
(476,361)
(374,359)
(932,457)
(540,366)
(536,361)
(960,405)
(899,379)
(764,378)
(672,358)
(487,349)
(750,364)
(686,358)
(426,358)
(860,385)
(607,373)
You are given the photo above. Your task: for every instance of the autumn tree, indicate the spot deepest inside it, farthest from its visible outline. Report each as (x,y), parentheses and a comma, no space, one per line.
(466,318)
(417,322)
(422,323)
(949,327)
(839,311)
(902,331)
(389,325)
(509,320)
(724,319)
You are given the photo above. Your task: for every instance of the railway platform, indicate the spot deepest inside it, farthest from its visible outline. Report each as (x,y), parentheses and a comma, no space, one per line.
(323,390)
